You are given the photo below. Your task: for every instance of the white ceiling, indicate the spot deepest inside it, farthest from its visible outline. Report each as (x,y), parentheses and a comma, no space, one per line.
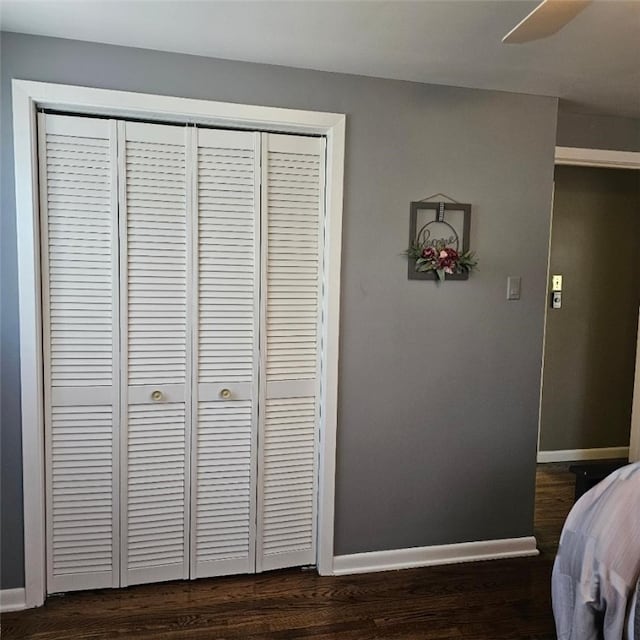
(593,63)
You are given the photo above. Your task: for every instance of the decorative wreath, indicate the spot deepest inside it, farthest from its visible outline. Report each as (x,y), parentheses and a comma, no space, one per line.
(436,256)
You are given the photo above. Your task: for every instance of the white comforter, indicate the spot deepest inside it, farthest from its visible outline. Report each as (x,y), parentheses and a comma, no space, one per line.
(597,568)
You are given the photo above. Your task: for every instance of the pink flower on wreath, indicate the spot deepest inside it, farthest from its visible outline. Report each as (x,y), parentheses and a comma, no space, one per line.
(447,259)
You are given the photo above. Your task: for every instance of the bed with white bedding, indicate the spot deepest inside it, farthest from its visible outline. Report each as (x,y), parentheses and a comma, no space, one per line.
(596,575)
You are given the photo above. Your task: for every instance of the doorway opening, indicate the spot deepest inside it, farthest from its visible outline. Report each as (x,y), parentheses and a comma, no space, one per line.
(587,420)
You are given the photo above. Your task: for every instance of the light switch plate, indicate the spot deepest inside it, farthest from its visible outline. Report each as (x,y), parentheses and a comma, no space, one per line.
(513,287)
(556,283)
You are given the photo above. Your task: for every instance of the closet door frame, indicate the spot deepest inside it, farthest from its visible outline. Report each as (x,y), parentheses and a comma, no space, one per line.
(30,96)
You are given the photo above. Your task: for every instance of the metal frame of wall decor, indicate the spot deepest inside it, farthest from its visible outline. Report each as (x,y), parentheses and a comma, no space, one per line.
(458,238)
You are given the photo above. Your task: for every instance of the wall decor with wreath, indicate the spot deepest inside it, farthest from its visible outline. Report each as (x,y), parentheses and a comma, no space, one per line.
(439,240)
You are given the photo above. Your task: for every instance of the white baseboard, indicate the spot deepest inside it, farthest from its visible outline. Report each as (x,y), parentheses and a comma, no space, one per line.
(12,600)
(568,455)
(434,555)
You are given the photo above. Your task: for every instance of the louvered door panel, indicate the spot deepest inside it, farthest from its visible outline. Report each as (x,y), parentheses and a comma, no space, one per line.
(155,270)
(78,198)
(82,504)
(156,490)
(292,196)
(225,351)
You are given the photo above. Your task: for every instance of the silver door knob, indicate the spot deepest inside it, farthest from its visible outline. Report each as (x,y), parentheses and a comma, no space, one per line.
(225,394)
(157,395)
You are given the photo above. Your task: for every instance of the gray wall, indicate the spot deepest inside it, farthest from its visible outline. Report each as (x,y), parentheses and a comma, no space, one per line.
(592,131)
(439,385)
(590,349)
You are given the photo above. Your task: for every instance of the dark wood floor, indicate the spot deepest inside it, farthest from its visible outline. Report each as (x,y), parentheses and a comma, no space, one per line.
(500,599)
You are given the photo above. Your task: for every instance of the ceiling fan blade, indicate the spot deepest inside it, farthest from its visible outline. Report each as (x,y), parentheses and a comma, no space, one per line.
(546,19)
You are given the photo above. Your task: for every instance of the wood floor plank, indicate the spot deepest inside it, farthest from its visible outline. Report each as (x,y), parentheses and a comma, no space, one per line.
(491,600)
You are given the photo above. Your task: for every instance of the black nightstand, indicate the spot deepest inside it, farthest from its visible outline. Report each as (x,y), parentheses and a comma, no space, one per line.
(588,474)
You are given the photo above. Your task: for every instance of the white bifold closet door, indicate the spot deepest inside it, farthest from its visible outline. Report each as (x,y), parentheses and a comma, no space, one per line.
(79,254)
(155,273)
(225,348)
(292,247)
(182,289)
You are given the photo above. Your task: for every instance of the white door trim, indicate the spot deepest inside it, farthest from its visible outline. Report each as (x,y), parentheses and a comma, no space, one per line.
(27,96)
(605,158)
(597,158)
(634,443)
